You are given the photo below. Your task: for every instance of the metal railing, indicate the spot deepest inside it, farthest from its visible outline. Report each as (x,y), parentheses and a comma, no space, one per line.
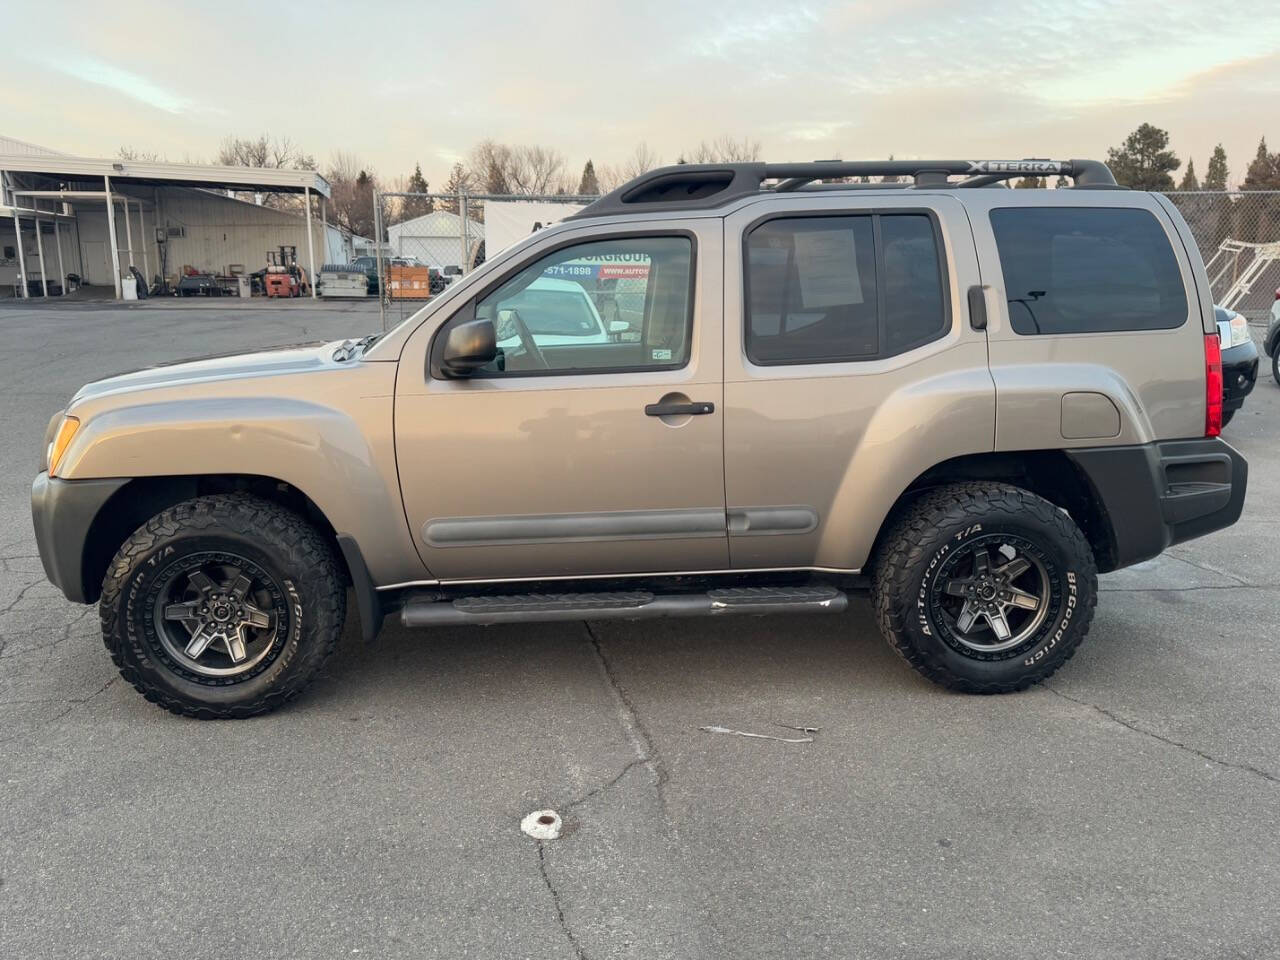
(1238,233)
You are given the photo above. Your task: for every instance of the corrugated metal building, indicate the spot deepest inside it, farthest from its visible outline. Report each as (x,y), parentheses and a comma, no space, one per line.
(435,238)
(98,218)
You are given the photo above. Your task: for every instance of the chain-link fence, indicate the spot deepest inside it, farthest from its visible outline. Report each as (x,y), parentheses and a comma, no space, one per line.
(1238,233)
(431,239)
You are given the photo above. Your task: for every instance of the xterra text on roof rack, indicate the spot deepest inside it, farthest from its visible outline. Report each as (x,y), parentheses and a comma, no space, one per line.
(972,400)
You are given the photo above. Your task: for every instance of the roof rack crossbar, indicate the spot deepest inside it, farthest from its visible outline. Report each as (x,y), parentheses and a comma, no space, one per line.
(708,185)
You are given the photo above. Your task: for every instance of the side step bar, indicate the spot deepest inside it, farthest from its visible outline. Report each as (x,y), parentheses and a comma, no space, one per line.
(622,605)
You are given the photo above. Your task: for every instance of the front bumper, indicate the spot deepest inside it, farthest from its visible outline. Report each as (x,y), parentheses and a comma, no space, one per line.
(62,512)
(1154,495)
(1239,374)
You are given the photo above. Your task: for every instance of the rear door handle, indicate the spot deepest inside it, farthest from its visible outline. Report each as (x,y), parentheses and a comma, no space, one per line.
(669,409)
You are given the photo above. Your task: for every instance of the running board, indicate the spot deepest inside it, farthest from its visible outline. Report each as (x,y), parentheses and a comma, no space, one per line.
(622,605)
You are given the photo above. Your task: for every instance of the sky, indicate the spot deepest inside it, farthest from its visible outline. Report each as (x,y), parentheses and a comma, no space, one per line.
(398,84)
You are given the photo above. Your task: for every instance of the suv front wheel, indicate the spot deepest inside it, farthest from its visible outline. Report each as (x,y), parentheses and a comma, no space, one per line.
(984,587)
(223,606)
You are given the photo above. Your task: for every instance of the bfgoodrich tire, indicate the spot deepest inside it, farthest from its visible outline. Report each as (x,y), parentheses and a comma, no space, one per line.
(984,587)
(223,606)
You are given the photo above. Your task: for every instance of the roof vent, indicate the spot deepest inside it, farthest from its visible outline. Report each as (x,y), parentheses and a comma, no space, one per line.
(681,187)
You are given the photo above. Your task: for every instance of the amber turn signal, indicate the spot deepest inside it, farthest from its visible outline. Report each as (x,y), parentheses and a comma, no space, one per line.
(66,430)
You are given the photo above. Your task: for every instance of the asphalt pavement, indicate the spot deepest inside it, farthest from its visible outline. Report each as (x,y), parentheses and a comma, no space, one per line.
(1130,807)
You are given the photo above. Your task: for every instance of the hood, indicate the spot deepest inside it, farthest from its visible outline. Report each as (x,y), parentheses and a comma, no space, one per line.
(295,358)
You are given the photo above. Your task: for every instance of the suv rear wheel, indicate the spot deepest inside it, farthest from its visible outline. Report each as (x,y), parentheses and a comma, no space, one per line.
(222,606)
(984,587)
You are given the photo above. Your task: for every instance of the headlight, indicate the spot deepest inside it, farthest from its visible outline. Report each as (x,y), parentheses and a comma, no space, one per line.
(58,446)
(1239,330)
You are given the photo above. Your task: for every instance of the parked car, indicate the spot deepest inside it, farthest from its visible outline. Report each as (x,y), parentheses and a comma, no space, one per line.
(1239,360)
(971,400)
(549,313)
(1271,342)
(370,267)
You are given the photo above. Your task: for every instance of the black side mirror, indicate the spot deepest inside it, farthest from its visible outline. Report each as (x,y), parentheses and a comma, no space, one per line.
(467,347)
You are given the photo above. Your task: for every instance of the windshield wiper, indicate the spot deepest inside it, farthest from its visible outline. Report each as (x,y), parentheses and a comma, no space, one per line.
(349,348)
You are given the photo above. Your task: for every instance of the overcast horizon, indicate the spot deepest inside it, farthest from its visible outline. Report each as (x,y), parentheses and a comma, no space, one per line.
(422,83)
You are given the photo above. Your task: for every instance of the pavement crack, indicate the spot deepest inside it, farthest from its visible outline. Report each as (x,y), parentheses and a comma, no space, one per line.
(1131,725)
(596,791)
(19,598)
(556,902)
(642,742)
(67,629)
(1208,569)
(1215,586)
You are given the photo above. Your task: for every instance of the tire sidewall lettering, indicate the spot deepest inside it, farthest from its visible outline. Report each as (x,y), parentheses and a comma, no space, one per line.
(1063,594)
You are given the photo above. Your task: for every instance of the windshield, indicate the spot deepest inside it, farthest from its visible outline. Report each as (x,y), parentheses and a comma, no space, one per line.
(559,312)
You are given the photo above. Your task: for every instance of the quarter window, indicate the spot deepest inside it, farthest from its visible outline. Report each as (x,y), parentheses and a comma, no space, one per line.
(826,289)
(1087,270)
(619,304)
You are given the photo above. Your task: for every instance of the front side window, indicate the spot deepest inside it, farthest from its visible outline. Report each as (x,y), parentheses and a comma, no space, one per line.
(1087,270)
(618,304)
(824,289)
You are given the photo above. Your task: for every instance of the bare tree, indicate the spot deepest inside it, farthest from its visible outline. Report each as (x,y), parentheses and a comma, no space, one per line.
(641,160)
(264,151)
(145,156)
(268,153)
(351,187)
(539,170)
(525,170)
(487,167)
(724,149)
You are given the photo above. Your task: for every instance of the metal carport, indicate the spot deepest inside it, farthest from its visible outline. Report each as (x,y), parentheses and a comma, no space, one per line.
(45,187)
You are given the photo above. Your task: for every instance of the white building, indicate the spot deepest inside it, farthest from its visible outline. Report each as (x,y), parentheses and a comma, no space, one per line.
(96,218)
(437,239)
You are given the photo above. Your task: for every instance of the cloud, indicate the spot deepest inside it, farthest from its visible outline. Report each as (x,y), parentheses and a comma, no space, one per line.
(103,74)
(858,79)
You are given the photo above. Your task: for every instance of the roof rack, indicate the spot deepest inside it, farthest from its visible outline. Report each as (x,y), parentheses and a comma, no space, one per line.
(690,186)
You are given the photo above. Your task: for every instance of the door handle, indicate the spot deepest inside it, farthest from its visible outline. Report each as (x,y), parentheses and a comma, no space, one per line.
(672,409)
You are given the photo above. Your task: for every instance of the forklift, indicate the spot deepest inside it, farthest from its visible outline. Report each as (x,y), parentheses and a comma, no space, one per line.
(282,276)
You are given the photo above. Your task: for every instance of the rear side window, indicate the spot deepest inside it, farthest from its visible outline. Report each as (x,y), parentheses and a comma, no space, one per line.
(1087,270)
(828,289)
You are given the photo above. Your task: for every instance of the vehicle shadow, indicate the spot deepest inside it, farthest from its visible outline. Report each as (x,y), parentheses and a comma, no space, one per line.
(696,660)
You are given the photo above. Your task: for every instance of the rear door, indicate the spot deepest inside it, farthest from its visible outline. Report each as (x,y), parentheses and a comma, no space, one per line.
(851,367)
(1097,323)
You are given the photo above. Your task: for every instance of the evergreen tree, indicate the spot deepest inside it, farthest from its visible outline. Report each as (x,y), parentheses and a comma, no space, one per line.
(589,186)
(1144,161)
(417,206)
(1216,178)
(1264,170)
(460,181)
(1189,181)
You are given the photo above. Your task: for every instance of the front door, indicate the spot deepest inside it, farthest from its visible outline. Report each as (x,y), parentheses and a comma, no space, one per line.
(593,446)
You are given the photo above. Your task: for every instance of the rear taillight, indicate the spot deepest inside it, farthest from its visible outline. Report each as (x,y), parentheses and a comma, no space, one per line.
(1278,293)
(1212,386)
